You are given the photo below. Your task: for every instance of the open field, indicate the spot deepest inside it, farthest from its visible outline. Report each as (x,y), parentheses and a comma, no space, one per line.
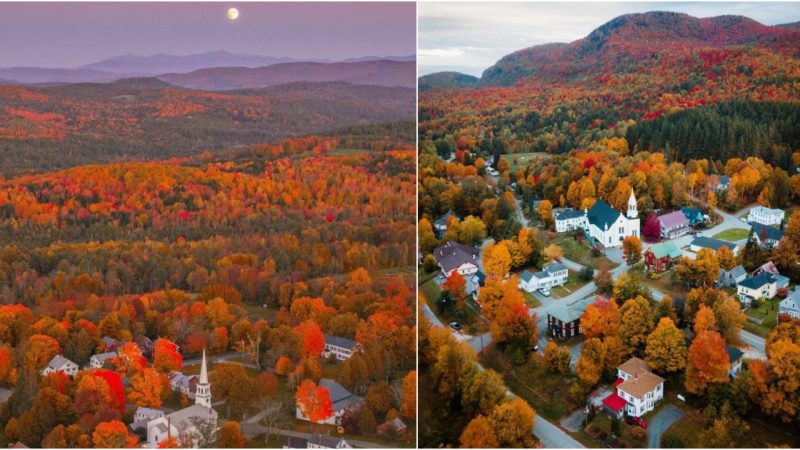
(517,160)
(733,234)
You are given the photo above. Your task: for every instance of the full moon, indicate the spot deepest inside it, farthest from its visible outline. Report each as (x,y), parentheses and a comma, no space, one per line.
(233,14)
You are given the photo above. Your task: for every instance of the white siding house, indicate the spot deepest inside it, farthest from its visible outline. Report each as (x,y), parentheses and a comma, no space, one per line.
(60,364)
(766,216)
(552,274)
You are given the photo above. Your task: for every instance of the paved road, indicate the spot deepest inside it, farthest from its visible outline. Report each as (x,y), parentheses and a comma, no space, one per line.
(660,423)
(250,430)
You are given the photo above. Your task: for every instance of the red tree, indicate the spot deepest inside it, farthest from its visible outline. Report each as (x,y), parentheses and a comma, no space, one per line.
(314,401)
(652,228)
(312,338)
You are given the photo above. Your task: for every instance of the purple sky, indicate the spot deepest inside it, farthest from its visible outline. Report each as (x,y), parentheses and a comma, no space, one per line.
(71,34)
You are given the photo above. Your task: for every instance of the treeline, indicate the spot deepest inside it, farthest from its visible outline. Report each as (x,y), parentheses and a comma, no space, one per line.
(722,131)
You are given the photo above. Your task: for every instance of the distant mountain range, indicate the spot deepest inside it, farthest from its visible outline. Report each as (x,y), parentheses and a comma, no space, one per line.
(127,66)
(378,73)
(628,41)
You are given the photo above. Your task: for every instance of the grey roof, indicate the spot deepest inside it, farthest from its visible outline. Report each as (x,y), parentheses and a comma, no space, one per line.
(296,442)
(58,361)
(109,340)
(452,255)
(149,412)
(724,179)
(568,213)
(339,342)
(792,301)
(102,357)
(340,397)
(554,267)
(541,275)
(526,276)
(570,312)
(766,232)
(712,243)
(757,281)
(442,221)
(182,418)
(325,440)
(602,215)
(736,272)
(734,354)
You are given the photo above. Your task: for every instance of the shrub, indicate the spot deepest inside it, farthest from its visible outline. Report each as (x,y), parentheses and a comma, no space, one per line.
(672,441)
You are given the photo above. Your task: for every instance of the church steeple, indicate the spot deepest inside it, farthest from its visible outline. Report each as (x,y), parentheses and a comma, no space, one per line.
(633,210)
(202,395)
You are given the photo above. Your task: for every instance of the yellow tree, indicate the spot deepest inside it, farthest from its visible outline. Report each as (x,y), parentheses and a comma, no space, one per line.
(145,388)
(545,213)
(478,434)
(708,362)
(666,350)
(496,260)
(591,362)
(552,252)
(512,422)
(632,249)
(725,258)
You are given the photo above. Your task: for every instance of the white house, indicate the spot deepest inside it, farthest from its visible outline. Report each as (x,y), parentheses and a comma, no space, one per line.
(317,440)
(735,359)
(185,425)
(763,285)
(638,390)
(765,216)
(569,219)
(142,416)
(97,361)
(770,269)
(60,364)
(338,347)
(674,224)
(608,226)
(730,278)
(791,304)
(185,384)
(552,274)
(456,257)
(342,399)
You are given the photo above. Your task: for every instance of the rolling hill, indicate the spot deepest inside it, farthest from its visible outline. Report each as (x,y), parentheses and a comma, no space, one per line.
(632,41)
(446,80)
(144,118)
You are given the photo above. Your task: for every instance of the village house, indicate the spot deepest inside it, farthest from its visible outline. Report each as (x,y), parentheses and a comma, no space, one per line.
(638,390)
(455,257)
(342,400)
(790,306)
(721,183)
(395,425)
(110,344)
(761,286)
(674,224)
(552,274)
(694,215)
(765,236)
(766,216)
(185,384)
(186,424)
(145,344)
(569,219)
(338,347)
(735,358)
(440,225)
(770,268)
(608,226)
(60,364)
(99,360)
(701,242)
(730,278)
(317,440)
(661,257)
(142,416)
(564,320)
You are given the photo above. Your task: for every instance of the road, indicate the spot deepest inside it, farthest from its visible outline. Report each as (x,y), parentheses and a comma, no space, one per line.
(661,423)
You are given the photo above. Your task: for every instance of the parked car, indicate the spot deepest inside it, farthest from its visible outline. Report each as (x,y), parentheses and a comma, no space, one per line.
(536,348)
(455,326)
(631,420)
(545,292)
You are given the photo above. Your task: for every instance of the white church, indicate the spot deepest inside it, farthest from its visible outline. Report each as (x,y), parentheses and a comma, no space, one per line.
(606,225)
(184,425)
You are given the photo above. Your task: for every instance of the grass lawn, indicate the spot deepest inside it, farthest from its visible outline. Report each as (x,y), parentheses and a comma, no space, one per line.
(547,392)
(573,283)
(766,312)
(580,252)
(763,432)
(664,284)
(733,235)
(517,160)
(600,429)
(531,300)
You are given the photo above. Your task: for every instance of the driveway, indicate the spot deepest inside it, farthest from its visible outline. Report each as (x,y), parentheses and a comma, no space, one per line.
(660,422)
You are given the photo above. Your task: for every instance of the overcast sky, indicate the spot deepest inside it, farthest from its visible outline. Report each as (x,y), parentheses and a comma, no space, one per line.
(71,34)
(470,37)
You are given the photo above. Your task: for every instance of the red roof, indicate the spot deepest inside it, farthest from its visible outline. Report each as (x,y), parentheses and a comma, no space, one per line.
(618,382)
(615,402)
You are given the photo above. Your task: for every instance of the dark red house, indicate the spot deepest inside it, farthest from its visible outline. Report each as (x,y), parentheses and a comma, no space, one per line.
(661,257)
